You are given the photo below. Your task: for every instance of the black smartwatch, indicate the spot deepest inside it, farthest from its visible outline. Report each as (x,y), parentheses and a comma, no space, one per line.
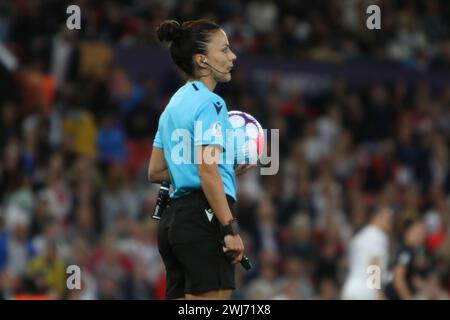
(232,228)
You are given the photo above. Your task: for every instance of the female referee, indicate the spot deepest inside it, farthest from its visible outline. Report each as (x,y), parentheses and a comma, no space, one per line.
(198,236)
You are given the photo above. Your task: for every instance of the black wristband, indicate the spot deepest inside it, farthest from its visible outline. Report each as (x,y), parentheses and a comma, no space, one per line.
(232,228)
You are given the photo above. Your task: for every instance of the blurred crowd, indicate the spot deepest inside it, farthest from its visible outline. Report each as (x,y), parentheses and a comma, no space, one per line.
(415,33)
(75,140)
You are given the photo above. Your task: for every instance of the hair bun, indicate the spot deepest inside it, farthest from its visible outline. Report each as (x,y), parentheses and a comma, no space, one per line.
(169,30)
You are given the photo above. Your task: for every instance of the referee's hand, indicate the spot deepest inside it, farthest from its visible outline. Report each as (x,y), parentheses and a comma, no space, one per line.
(234,248)
(243,168)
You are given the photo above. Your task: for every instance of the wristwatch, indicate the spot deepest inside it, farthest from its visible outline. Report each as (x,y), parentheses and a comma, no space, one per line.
(232,228)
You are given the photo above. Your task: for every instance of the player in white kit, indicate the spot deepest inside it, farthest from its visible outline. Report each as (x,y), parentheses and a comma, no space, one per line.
(369,247)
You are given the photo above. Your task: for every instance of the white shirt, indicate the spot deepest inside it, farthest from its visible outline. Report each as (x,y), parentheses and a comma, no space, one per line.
(371,242)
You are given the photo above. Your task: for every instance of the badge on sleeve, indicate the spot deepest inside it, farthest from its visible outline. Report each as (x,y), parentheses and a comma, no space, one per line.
(216,129)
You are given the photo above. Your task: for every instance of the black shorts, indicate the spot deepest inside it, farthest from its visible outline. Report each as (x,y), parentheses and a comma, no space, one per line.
(190,246)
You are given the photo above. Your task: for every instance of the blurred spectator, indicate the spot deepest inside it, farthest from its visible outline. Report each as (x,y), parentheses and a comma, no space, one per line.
(264,286)
(119,198)
(65,56)
(328,289)
(137,287)
(58,193)
(79,130)
(47,272)
(262,15)
(298,239)
(16,247)
(10,123)
(406,273)
(369,249)
(80,255)
(111,141)
(265,233)
(295,284)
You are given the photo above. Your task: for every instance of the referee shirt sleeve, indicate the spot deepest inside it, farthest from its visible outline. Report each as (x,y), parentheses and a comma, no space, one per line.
(209,125)
(157,142)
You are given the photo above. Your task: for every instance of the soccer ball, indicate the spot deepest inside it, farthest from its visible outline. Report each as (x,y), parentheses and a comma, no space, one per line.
(248,138)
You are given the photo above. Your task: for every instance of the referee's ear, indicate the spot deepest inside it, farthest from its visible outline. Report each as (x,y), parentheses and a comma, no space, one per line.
(200,61)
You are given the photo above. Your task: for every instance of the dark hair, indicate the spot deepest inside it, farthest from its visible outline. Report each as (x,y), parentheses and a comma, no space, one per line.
(408,222)
(186,40)
(375,209)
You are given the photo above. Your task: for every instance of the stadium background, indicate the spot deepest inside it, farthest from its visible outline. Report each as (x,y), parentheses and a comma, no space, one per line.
(364,118)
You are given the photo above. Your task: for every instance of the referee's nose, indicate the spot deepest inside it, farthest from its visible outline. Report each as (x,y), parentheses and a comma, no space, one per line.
(233,56)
